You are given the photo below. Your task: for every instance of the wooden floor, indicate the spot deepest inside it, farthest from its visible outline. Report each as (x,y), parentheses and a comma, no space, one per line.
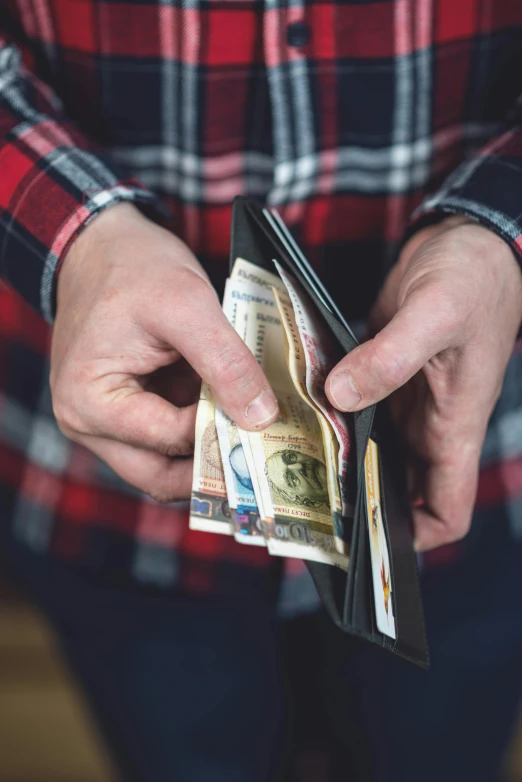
(45,732)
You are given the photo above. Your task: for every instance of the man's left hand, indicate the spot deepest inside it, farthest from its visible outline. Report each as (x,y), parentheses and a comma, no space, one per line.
(445,324)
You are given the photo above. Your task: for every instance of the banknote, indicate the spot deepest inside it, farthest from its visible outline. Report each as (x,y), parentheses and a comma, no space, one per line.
(209,508)
(289,456)
(249,273)
(240,291)
(321,355)
(239,482)
(297,365)
(242,501)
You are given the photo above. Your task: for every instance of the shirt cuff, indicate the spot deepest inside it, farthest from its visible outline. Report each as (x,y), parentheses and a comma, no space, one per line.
(77,220)
(488,189)
(50,189)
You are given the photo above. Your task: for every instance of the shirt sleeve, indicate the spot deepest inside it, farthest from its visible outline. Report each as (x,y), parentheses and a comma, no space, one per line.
(52,182)
(487,188)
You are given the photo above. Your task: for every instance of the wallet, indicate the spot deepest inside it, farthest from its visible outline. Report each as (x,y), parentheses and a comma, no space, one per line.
(259,236)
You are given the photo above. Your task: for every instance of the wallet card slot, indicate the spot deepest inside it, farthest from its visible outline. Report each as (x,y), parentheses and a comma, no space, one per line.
(359,606)
(384,517)
(411,638)
(362,427)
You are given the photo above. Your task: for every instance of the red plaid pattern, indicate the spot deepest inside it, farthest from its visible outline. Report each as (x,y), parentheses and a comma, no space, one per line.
(348,115)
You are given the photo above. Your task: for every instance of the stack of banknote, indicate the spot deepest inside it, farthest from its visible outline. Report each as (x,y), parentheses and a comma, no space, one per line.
(286,487)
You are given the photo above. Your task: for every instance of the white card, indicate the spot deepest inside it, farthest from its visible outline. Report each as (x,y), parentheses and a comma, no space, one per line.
(378,545)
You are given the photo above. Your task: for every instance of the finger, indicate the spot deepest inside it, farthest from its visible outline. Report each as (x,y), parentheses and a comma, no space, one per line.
(164,479)
(199,329)
(380,366)
(132,416)
(449,494)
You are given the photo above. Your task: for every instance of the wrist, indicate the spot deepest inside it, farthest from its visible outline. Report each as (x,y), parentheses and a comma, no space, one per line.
(461,226)
(85,253)
(102,227)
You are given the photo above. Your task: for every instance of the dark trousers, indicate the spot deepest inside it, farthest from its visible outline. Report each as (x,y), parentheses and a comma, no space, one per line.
(202,690)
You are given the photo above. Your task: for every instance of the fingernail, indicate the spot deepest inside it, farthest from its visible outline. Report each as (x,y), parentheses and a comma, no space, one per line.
(344,392)
(262,409)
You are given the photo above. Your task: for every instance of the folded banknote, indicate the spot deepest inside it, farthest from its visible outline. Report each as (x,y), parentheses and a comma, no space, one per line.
(284,486)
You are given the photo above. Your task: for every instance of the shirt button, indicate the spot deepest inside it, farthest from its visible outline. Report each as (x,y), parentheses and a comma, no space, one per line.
(298,34)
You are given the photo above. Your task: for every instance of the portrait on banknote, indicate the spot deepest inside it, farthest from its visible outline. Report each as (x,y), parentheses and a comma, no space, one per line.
(239,466)
(297,478)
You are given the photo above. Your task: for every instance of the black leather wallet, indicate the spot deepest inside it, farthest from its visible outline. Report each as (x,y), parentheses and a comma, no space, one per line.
(258,237)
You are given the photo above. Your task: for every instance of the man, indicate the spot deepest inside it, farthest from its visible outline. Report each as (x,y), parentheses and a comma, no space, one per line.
(357,119)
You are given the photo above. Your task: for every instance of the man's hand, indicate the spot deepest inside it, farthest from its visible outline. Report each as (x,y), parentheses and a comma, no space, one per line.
(445,324)
(137,323)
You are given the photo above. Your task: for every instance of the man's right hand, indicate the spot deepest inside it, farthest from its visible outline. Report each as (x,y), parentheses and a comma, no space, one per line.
(137,323)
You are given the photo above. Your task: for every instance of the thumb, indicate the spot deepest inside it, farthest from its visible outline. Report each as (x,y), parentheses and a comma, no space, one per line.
(419,330)
(203,335)
(237,381)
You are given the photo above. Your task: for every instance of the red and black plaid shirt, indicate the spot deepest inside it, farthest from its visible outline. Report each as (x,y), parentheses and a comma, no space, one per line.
(346,114)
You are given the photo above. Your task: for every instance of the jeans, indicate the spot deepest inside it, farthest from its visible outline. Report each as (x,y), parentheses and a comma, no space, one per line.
(203,690)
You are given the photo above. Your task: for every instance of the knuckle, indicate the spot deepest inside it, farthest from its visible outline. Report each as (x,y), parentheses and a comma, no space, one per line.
(161,494)
(449,310)
(69,397)
(187,293)
(161,439)
(186,447)
(388,364)
(457,528)
(67,418)
(171,450)
(174,450)
(197,291)
(118,418)
(235,368)
(451,313)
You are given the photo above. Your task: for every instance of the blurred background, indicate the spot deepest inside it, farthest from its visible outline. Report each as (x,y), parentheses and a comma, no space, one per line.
(46,734)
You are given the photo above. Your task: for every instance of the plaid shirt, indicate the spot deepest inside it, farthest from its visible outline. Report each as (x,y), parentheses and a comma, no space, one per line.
(349,115)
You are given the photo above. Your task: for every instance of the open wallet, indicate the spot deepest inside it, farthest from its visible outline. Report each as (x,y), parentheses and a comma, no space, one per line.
(259,235)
